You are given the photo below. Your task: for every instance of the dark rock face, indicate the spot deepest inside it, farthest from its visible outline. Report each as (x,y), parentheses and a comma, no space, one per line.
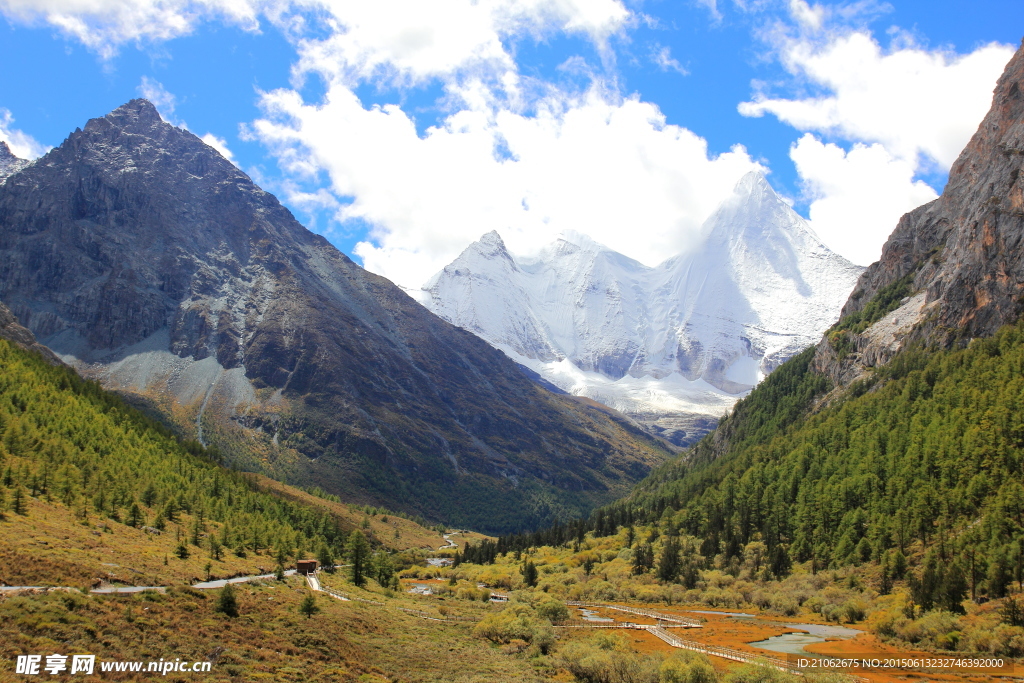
(964,248)
(13,331)
(133,232)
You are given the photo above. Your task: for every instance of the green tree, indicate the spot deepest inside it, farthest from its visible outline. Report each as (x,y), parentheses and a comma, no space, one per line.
(643,558)
(530,573)
(325,558)
(227,603)
(384,568)
(148,495)
(668,562)
(182,551)
(18,504)
(358,551)
(135,517)
(308,605)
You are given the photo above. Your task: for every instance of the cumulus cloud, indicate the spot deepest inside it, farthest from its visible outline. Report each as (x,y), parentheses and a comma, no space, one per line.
(612,169)
(413,37)
(511,153)
(911,100)
(899,112)
(857,195)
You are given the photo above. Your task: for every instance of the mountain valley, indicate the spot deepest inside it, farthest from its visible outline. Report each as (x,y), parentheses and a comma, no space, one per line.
(148,261)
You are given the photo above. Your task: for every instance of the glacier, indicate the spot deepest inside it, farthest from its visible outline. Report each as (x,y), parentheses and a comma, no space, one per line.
(673,346)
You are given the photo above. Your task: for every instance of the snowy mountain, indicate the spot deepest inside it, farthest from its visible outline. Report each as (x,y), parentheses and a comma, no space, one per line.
(674,346)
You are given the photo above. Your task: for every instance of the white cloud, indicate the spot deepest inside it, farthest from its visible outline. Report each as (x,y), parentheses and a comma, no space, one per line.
(21,144)
(662,56)
(410,37)
(513,154)
(911,100)
(409,41)
(105,25)
(857,196)
(219,144)
(609,168)
(901,112)
(809,16)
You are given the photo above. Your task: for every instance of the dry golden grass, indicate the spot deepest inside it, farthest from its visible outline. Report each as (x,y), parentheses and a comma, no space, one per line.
(410,535)
(50,547)
(269,641)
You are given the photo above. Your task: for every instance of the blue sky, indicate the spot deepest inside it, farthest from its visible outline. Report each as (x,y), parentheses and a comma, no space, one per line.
(404,129)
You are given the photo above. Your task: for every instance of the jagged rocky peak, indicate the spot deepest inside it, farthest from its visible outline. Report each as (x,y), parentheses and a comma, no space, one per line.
(9,164)
(137,112)
(955,262)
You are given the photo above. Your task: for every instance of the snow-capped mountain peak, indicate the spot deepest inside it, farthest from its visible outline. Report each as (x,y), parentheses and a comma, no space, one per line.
(689,336)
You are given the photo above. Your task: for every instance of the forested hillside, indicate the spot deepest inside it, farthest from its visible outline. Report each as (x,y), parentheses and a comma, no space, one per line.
(66,441)
(928,455)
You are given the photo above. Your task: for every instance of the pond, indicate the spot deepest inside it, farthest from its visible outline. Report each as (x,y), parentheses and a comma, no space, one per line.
(793,643)
(591,615)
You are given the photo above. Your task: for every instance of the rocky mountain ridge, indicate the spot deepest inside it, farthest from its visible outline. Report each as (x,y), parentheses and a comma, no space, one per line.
(147,260)
(16,333)
(955,262)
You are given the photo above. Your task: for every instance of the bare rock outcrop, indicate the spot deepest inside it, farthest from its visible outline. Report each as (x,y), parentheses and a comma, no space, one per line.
(962,252)
(14,332)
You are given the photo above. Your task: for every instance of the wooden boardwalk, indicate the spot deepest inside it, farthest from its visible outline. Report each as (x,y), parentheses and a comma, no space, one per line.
(683,622)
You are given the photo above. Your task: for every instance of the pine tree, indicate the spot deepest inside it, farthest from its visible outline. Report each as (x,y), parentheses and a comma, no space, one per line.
(358,556)
(384,569)
(668,563)
(227,603)
(149,495)
(18,504)
(530,573)
(643,558)
(135,517)
(325,558)
(308,605)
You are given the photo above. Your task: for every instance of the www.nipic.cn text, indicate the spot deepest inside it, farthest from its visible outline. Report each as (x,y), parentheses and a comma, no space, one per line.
(41,665)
